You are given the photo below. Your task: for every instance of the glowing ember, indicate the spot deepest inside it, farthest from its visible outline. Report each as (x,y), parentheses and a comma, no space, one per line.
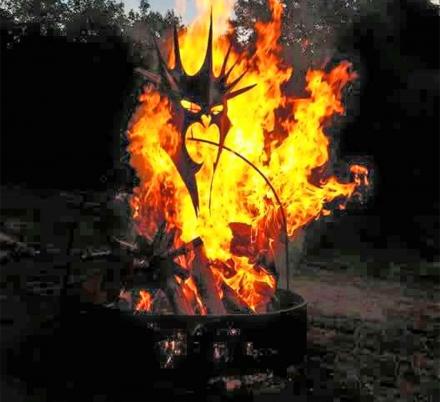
(287,148)
(360,174)
(145,302)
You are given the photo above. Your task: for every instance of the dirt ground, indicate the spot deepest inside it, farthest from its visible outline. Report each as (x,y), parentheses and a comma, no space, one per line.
(371,337)
(368,339)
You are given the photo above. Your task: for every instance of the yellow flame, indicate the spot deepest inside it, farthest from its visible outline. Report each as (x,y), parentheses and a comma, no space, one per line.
(286,149)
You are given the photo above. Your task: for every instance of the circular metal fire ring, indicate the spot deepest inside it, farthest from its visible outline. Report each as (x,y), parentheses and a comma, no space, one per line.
(273,340)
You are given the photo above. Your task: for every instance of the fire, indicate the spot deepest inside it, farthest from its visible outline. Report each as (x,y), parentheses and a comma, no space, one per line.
(288,148)
(360,174)
(191,293)
(145,302)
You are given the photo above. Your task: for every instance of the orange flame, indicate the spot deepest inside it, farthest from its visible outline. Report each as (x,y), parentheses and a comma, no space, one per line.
(360,174)
(146,301)
(287,147)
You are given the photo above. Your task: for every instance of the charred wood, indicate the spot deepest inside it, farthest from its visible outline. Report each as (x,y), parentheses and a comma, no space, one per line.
(233,303)
(205,281)
(175,295)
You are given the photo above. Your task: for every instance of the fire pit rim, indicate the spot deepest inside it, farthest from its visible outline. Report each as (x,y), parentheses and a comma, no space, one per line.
(298,304)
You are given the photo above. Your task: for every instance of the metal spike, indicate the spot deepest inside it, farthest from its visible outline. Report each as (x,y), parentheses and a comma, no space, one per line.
(164,68)
(159,54)
(207,63)
(178,60)
(239,92)
(236,81)
(172,83)
(225,125)
(153,77)
(232,67)
(225,61)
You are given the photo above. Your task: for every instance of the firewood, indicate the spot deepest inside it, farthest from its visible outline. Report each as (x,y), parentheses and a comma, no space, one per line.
(163,240)
(161,303)
(205,282)
(90,254)
(241,244)
(265,293)
(124,244)
(181,272)
(175,294)
(125,300)
(263,289)
(186,248)
(233,302)
(155,78)
(166,265)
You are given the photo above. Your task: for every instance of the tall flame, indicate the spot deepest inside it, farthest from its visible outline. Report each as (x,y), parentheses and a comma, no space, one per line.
(282,135)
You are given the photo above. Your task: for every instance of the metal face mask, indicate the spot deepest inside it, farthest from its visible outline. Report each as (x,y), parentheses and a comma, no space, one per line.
(203,98)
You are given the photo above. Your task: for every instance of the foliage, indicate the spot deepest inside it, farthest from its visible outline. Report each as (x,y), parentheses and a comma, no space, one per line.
(85,20)
(309,26)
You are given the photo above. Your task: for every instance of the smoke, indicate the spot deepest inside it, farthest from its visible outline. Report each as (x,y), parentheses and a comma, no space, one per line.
(180,7)
(222,11)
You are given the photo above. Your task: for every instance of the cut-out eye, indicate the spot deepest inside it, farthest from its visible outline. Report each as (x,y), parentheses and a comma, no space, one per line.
(217,109)
(190,106)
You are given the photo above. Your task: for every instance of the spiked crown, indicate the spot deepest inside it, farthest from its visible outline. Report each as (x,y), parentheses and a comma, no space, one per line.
(194,96)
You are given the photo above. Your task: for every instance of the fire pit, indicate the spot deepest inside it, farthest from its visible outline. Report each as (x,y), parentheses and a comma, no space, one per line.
(233,341)
(230,167)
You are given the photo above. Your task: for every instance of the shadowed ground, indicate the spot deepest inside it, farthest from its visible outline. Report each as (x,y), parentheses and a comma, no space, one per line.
(373,333)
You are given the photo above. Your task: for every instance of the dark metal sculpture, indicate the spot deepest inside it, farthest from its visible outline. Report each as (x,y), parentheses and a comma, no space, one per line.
(201,97)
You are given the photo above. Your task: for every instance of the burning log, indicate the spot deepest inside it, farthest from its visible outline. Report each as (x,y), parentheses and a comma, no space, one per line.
(125,300)
(167,267)
(175,294)
(241,244)
(182,273)
(232,301)
(154,78)
(186,248)
(205,282)
(156,257)
(146,301)
(292,191)
(163,260)
(161,303)
(138,251)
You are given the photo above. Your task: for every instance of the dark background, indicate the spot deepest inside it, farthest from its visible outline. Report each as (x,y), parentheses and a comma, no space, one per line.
(61,111)
(65,103)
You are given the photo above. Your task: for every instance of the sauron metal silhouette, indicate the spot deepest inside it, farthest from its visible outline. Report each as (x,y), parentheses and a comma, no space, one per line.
(202,97)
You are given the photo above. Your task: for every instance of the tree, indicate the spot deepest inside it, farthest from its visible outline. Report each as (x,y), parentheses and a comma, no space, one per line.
(144,24)
(309,27)
(46,16)
(87,21)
